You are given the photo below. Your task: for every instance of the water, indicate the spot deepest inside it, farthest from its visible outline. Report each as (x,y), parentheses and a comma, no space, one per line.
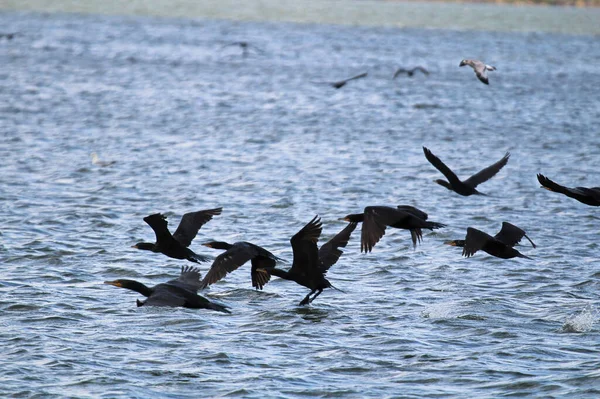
(192,125)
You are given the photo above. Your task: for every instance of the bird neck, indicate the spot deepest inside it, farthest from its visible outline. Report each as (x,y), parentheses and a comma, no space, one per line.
(279,273)
(137,287)
(444,183)
(145,246)
(221,245)
(355,217)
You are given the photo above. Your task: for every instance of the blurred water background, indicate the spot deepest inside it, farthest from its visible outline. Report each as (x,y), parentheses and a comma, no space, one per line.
(193,124)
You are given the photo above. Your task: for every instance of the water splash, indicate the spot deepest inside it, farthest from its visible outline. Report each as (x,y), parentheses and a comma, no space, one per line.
(581,322)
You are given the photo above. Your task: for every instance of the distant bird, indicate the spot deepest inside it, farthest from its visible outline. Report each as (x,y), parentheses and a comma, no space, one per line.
(311,263)
(410,72)
(176,245)
(9,36)
(342,83)
(376,218)
(500,246)
(245,46)
(589,196)
(480,69)
(236,255)
(96,160)
(181,292)
(466,187)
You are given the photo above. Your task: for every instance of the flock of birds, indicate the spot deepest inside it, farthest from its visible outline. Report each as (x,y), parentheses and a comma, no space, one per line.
(311,263)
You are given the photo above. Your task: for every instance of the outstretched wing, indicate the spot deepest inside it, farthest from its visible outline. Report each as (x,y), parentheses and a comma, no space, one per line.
(439,165)
(373,228)
(413,211)
(191,223)
(189,279)
(510,235)
(228,261)
(589,196)
(474,241)
(329,253)
(422,69)
(362,75)
(487,173)
(158,222)
(304,248)
(399,71)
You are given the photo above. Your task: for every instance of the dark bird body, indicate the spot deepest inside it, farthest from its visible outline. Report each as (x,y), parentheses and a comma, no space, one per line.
(176,245)
(181,292)
(588,196)
(236,255)
(410,72)
(500,246)
(465,187)
(311,263)
(376,218)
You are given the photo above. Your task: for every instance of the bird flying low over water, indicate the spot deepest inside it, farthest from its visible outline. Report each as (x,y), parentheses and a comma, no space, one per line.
(181,292)
(410,72)
(466,187)
(236,255)
(376,218)
(176,245)
(588,196)
(480,69)
(500,246)
(342,83)
(311,263)
(245,46)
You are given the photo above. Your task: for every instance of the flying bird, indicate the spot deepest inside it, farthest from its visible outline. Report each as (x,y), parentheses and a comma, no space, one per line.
(342,83)
(245,46)
(176,245)
(410,72)
(465,187)
(500,246)
(480,69)
(236,255)
(180,292)
(311,263)
(375,219)
(588,196)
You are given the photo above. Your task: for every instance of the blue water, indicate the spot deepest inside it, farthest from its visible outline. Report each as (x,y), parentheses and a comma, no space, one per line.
(192,125)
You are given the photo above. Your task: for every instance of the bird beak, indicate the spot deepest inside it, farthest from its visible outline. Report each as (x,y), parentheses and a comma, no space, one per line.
(115,283)
(451,243)
(207,245)
(344,219)
(134,246)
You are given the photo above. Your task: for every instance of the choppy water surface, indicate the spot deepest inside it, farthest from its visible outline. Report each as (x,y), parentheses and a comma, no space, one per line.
(193,125)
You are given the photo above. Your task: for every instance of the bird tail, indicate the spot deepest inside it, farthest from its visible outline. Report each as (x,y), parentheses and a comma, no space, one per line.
(524,256)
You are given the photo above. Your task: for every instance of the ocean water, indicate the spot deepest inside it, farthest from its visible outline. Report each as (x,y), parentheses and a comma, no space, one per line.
(193,124)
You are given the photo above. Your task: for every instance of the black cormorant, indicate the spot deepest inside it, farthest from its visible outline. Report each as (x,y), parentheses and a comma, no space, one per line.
(500,246)
(179,292)
(176,245)
(589,196)
(310,263)
(236,255)
(376,218)
(466,187)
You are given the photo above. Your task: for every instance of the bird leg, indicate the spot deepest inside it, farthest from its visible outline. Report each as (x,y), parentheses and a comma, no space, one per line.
(306,300)
(316,295)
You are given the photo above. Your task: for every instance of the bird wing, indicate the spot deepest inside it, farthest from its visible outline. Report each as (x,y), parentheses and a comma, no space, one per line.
(228,261)
(510,235)
(439,165)
(192,222)
(329,253)
(166,294)
(304,248)
(420,68)
(487,173)
(159,223)
(474,241)
(413,211)
(259,276)
(582,194)
(189,279)
(399,71)
(362,75)
(373,228)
